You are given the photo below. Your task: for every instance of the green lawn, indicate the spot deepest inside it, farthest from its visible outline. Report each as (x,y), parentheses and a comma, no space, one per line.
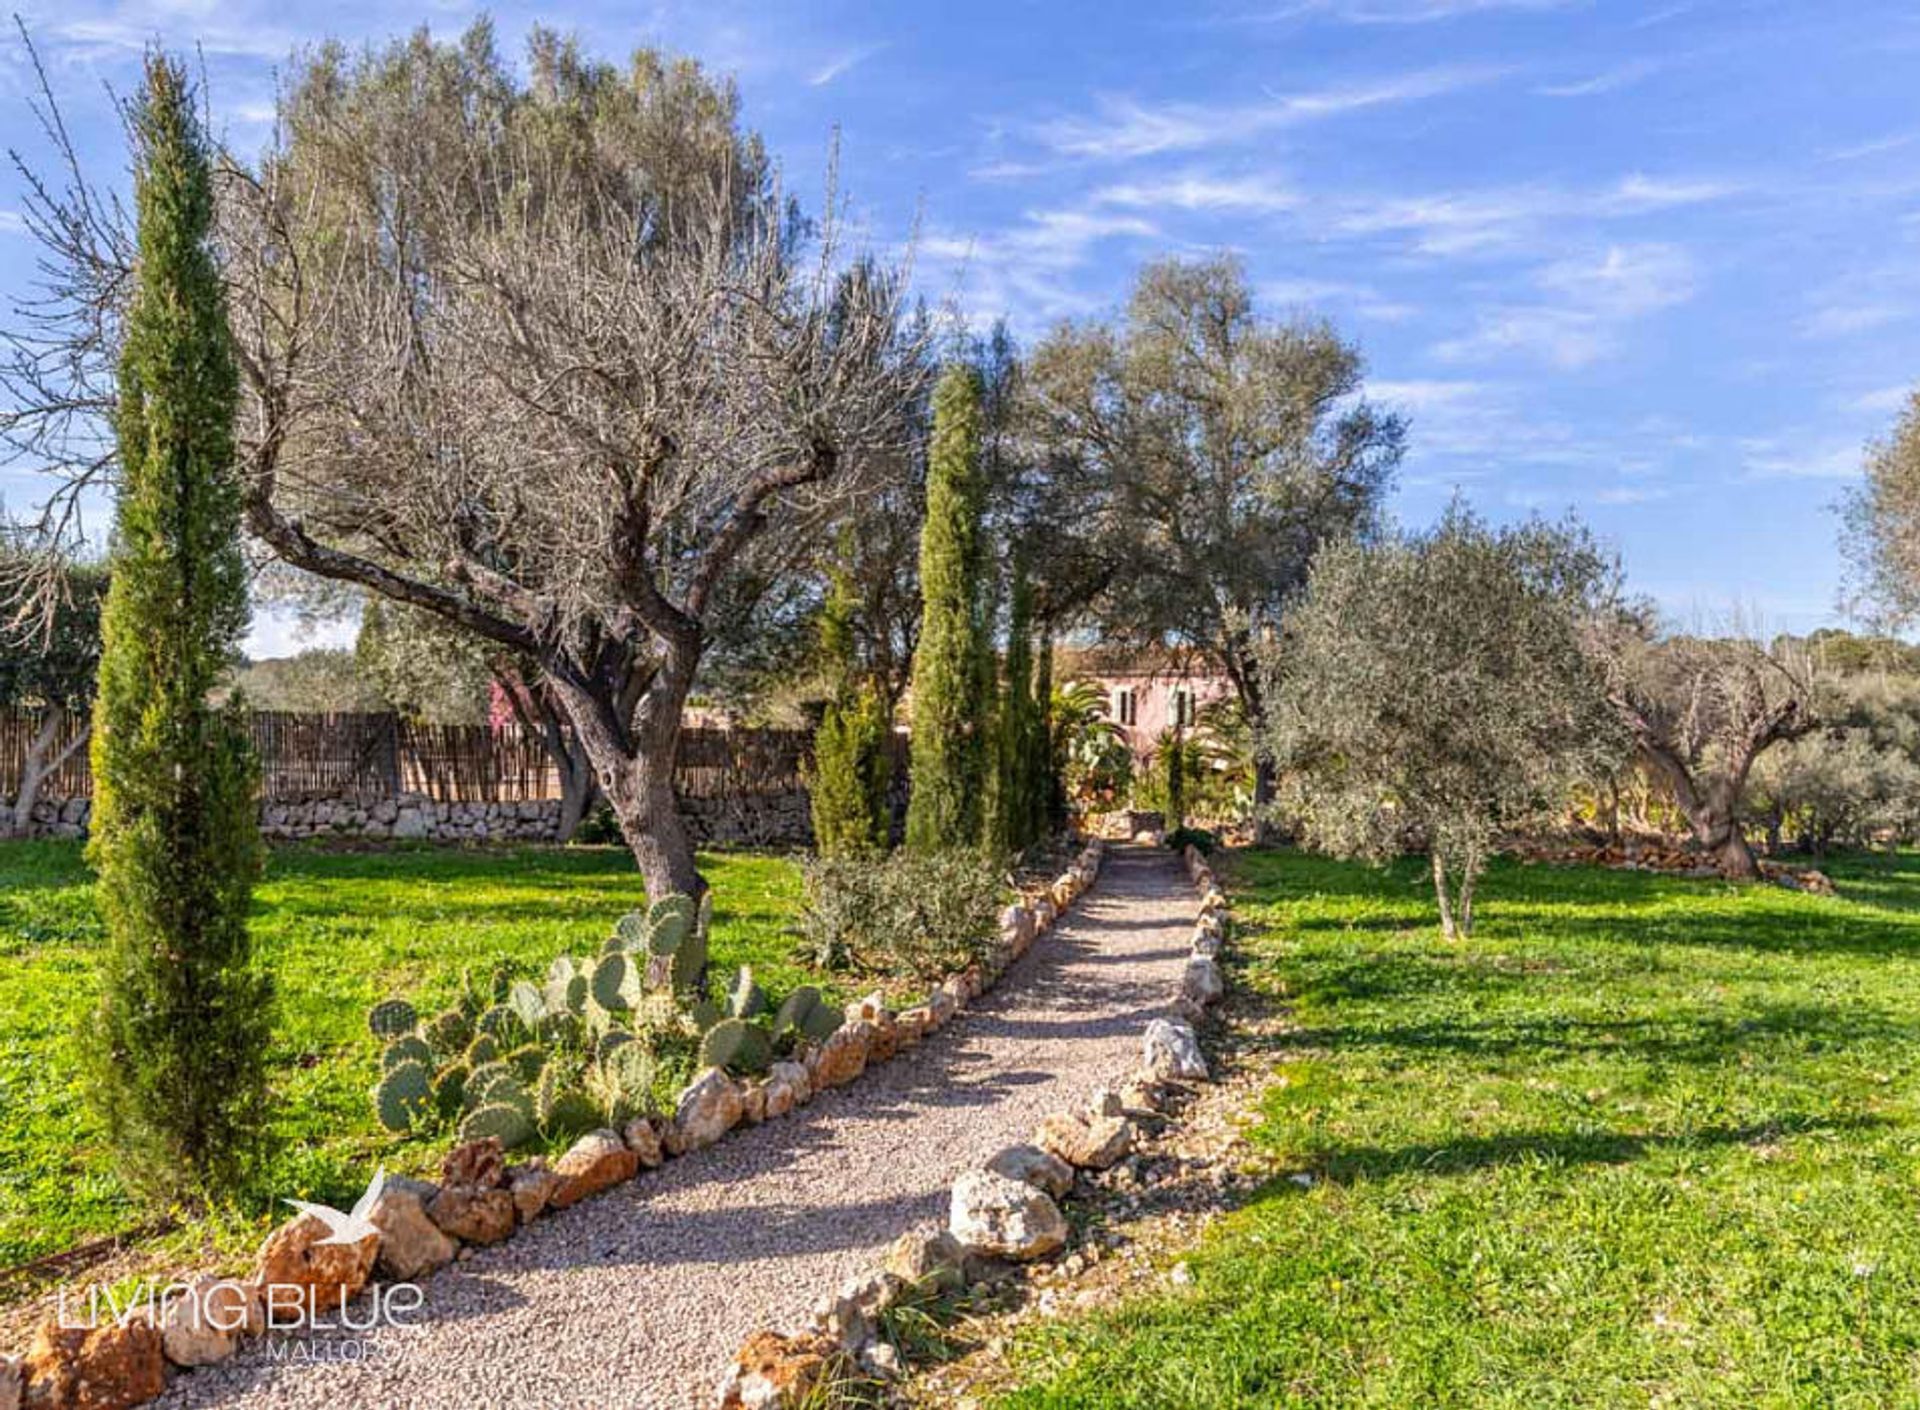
(1641,1141)
(340,930)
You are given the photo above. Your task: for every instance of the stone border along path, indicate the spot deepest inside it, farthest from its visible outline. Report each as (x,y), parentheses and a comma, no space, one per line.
(639,1297)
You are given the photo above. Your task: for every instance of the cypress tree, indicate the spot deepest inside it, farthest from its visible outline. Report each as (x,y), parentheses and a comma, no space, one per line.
(852,766)
(1020,781)
(949,770)
(177,1052)
(1049,796)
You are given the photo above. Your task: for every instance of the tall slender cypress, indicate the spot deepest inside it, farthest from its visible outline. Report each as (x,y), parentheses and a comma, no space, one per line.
(1019,767)
(949,772)
(852,766)
(177,1052)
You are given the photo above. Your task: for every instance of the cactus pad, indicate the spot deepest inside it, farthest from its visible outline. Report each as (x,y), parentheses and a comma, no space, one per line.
(448,1033)
(737,1045)
(745,999)
(407,1048)
(404,1096)
(506,1123)
(391,1017)
(793,1012)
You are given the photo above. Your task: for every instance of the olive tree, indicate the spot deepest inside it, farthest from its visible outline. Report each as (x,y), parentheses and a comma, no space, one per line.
(551,358)
(1433,692)
(1701,711)
(1881,518)
(1206,454)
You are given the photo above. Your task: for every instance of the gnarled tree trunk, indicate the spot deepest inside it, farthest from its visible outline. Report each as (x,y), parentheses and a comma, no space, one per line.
(45,755)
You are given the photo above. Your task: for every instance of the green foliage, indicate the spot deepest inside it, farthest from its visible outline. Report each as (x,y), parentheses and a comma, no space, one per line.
(852,766)
(508,1124)
(318,680)
(404,1095)
(1020,735)
(1436,693)
(54,664)
(949,751)
(177,1061)
(1183,837)
(913,915)
(738,1045)
(1092,762)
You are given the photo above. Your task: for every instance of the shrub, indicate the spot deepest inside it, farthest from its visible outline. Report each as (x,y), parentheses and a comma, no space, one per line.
(1199,837)
(915,915)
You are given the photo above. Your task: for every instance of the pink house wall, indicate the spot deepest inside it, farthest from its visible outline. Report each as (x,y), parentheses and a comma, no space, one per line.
(1153,695)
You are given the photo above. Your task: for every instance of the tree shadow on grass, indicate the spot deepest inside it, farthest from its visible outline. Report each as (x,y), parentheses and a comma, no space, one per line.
(1347,1164)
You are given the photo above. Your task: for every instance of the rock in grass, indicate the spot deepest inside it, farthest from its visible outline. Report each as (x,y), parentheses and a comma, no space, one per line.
(411,1244)
(473,1215)
(1202,981)
(480,1165)
(533,1188)
(1041,1169)
(1099,1143)
(927,1259)
(709,1107)
(306,1277)
(205,1326)
(597,1161)
(1170,1049)
(785,1371)
(109,1367)
(991,1214)
(642,1135)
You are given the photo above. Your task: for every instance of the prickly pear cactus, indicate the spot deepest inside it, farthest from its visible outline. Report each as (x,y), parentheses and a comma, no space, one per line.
(611,982)
(737,1045)
(450,1090)
(498,1021)
(391,1017)
(527,1004)
(631,931)
(794,1010)
(482,1050)
(822,1022)
(745,999)
(448,1033)
(527,1061)
(404,1096)
(408,1047)
(508,1124)
(481,1081)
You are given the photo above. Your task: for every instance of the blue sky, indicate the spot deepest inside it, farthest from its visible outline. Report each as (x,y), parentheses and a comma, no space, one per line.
(1659,262)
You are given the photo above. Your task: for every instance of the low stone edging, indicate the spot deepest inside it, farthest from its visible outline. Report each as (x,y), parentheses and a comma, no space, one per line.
(1007,1211)
(481,1200)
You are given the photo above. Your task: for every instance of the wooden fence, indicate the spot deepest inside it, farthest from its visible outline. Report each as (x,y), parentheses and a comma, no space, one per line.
(372,756)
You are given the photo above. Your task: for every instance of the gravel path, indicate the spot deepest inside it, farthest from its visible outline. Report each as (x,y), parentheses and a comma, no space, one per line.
(639,1297)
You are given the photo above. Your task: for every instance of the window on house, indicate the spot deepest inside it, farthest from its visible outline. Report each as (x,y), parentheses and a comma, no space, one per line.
(1184,713)
(1125,707)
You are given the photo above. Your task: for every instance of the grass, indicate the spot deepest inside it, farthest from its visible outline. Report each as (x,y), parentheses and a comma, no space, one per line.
(340,930)
(1641,1141)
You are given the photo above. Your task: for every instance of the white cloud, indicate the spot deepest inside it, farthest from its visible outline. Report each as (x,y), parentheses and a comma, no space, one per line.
(1808,458)
(1843,320)
(12,223)
(1876,147)
(1387,12)
(1606,81)
(1594,301)
(1472,222)
(1883,402)
(1025,273)
(1125,127)
(1194,192)
(842,64)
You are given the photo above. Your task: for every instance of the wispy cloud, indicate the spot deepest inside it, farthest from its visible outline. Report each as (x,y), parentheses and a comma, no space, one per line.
(1883,402)
(1199,192)
(1025,273)
(1464,222)
(1875,147)
(1844,320)
(1780,458)
(842,64)
(1606,81)
(1124,127)
(1591,304)
(12,223)
(1396,11)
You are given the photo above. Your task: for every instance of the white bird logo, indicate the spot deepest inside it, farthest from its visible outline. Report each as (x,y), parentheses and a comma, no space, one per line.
(347,1228)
